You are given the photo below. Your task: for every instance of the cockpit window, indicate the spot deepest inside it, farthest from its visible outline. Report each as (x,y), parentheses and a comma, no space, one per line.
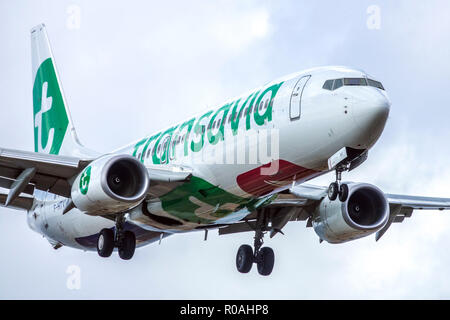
(355,82)
(334,84)
(376,84)
(328,85)
(338,83)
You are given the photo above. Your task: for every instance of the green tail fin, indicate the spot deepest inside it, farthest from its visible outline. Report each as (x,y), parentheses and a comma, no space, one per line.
(54,132)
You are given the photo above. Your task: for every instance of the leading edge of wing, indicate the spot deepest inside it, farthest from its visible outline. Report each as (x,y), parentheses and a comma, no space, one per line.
(317,193)
(419,202)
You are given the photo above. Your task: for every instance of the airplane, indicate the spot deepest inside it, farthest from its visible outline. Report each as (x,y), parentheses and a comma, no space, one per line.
(212,171)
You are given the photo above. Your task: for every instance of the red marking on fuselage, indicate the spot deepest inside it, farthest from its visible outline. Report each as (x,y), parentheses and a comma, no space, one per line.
(260,181)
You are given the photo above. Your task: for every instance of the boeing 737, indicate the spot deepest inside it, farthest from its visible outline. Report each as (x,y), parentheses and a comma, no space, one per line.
(243,166)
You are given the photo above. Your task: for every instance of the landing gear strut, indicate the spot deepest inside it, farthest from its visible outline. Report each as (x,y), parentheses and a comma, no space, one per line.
(336,189)
(263,257)
(124,241)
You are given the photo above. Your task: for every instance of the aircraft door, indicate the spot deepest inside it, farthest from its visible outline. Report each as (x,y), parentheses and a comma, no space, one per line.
(296,98)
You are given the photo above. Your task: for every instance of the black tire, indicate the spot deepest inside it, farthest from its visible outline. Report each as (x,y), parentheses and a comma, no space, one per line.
(244,258)
(105,243)
(128,245)
(343,192)
(333,191)
(266,260)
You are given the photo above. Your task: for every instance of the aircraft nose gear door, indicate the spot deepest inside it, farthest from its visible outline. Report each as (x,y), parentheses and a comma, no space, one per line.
(296,98)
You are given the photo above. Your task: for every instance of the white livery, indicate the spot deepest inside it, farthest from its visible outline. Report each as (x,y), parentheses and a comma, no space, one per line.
(242,166)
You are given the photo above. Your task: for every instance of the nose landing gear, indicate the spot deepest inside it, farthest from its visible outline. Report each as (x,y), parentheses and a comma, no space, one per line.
(336,189)
(125,241)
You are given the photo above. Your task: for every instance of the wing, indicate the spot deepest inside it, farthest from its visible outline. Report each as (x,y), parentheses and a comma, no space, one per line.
(22,172)
(164,178)
(299,202)
(402,206)
(20,202)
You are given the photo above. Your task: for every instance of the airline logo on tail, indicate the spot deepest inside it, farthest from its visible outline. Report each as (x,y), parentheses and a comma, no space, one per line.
(50,118)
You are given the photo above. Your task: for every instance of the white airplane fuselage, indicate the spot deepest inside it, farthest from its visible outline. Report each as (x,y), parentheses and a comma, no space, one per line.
(299,126)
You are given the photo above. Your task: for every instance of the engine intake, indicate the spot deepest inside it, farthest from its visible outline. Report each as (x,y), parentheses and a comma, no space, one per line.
(125,179)
(365,211)
(110,184)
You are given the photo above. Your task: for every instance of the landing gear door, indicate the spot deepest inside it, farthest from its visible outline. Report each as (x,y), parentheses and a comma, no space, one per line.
(296,98)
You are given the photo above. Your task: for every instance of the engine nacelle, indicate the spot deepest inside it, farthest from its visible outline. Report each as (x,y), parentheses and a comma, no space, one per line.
(365,211)
(110,184)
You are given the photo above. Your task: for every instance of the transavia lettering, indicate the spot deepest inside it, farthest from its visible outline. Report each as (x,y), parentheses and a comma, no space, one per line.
(210,126)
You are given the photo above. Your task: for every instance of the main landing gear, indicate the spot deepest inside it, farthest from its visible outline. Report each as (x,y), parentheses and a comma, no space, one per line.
(336,189)
(125,241)
(263,257)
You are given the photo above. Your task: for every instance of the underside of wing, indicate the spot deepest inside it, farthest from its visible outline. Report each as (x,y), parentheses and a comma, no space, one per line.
(402,206)
(22,172)
(418,202)
(295,204)
(307,197)
(22,202)
(165,178)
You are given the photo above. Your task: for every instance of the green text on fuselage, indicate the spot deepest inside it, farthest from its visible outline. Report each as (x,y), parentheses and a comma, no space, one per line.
(203,129)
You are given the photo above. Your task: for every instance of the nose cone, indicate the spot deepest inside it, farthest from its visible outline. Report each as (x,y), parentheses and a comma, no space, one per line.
(370,113)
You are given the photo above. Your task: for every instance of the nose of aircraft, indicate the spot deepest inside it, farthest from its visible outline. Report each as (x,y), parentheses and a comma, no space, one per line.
(370,112)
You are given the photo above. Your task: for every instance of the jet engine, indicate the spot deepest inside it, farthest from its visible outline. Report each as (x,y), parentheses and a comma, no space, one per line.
(110,184)
(365,211)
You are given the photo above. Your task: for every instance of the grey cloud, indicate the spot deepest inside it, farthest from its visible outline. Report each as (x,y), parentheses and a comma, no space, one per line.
(132,69)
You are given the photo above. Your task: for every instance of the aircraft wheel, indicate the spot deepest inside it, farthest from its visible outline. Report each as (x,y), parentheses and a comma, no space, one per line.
(333,191)
(343,192)
(105,243)
(244,258)
(127,245)
(266,260)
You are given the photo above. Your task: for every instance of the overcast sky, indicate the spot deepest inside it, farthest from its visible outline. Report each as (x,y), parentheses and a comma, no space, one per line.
(132,67)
